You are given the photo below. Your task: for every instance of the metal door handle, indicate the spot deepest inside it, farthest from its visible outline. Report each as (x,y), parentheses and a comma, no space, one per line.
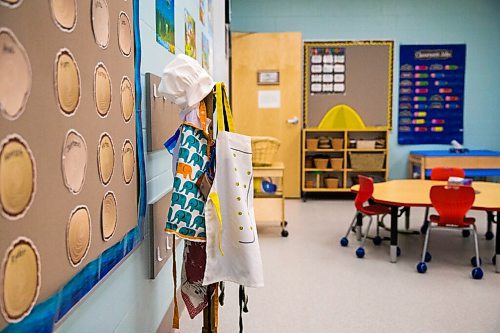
(294,120)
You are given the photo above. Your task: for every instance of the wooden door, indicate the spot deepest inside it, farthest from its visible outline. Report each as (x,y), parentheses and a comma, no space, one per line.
(282,52)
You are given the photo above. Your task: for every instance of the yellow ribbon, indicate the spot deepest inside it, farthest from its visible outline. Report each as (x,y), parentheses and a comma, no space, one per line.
(223,108)
(215,200)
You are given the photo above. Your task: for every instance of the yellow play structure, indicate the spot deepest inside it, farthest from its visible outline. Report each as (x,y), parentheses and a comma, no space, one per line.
(342,116)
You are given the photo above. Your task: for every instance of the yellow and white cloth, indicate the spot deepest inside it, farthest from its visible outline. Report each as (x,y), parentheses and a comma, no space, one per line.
(233,252)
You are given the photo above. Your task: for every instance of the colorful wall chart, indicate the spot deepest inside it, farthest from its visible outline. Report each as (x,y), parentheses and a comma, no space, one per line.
(327,70)
(165,24)
(431,94)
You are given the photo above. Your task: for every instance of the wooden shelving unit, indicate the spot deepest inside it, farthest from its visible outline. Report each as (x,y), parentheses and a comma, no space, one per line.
(348,173)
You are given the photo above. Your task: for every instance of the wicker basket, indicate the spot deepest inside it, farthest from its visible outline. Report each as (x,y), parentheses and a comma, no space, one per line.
(336,163)
(264,149)
(312,144)
(309,184)
(320,163)
(331,182)
(337,143)
(367,161)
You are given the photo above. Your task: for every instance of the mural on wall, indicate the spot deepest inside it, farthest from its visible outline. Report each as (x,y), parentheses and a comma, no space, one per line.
(210,17)
(189,35)
(431,94)
(205,52)
(165,24)
(203,11)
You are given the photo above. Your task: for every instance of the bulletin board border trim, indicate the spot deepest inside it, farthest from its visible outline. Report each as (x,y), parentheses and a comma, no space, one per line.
(45,316)
(307,92)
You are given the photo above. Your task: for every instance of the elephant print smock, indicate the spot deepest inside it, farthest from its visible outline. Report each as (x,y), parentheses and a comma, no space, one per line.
(186,215)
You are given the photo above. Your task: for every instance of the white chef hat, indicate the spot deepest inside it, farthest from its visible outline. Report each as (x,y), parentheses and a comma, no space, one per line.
(184,82)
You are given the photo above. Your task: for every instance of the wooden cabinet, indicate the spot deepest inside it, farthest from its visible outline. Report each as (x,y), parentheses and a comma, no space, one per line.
(332,159)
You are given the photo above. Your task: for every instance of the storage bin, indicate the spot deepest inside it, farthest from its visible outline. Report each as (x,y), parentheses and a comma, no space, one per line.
(309,163)
(367,161)
(331,182)
(264,149)
(320,163)
(337,143)
(309,184)
(312,144)
(365,144)
(336,163)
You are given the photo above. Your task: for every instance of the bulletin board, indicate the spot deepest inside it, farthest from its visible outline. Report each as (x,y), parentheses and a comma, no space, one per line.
(355,73)
(69,207)
(431,94)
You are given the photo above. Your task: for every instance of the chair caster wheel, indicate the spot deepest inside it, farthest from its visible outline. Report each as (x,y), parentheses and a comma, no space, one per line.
(377,240)
(477,273)
(489,235)
(422,267)
(344,242)
(398,251)
(284,233)
(494,259)
(360,252)
(473,261)
(465,233)
(428,257)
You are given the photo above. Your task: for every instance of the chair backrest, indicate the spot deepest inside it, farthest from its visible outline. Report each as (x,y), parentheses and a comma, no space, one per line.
(443,173)
(365,192)
(452,203)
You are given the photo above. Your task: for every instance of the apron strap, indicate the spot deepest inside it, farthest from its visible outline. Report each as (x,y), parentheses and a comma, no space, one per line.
(175,320)
(224,115)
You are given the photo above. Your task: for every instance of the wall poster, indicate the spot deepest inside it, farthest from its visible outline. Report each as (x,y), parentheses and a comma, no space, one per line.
(431,94)
(327,70)
(189,35)
(165,24)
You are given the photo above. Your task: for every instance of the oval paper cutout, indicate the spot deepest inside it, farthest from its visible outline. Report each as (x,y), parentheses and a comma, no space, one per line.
(78,235)
(127,99)
(17,177)
(105,158)
(64,14)
(124,34)
(67,79)
(108,215)
(100,22)
(102,89)
(21,279)
(128,161)
(15,80)
(11,3)
(74,161)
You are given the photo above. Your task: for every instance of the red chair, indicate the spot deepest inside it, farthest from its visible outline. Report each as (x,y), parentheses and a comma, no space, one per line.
(441,173)
(452,203)
(364,194)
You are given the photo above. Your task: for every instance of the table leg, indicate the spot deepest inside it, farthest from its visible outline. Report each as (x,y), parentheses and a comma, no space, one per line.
(497,244)
(394,233)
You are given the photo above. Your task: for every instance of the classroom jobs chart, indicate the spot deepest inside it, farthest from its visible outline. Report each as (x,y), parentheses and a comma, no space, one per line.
(327,70)
(431,94)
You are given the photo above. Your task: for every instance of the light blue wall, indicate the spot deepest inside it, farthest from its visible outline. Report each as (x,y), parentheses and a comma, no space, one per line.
(475,23)
(128,301)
